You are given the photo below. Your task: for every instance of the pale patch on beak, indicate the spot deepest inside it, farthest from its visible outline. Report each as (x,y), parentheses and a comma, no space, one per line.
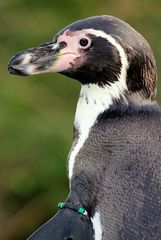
(19,64)
(58,63)
(50,57)
(45,58)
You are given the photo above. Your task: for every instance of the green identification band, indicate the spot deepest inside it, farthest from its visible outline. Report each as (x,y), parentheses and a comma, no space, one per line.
(80,210)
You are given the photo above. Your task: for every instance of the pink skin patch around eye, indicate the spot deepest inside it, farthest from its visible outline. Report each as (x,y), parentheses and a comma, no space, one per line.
(71,56)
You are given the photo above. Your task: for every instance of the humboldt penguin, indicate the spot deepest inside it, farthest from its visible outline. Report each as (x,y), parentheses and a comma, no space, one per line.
(114,165)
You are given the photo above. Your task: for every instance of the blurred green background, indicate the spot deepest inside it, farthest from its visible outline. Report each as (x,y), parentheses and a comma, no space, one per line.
(36,113)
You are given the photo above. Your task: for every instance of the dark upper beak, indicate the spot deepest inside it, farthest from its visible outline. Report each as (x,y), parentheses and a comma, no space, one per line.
(34,60)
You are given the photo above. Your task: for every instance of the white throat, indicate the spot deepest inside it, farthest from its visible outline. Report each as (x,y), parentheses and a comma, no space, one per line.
(93,101)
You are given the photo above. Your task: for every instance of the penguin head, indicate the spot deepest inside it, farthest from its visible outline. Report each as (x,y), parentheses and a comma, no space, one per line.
(101,50)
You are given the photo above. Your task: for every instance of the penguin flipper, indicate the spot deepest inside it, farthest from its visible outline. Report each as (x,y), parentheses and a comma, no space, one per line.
(65,225)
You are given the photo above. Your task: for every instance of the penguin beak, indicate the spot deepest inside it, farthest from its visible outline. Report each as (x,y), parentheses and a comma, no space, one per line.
(49,57)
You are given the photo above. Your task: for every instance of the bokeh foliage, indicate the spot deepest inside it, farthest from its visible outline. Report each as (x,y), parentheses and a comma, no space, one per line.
(36,113)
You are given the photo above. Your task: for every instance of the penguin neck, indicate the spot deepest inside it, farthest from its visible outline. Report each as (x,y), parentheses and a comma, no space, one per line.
(93,101)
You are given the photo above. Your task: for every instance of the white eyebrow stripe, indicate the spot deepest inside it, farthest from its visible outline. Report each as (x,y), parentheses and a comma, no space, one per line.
(123,56)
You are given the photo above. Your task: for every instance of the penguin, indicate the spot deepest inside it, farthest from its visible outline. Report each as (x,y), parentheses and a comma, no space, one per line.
(114,165)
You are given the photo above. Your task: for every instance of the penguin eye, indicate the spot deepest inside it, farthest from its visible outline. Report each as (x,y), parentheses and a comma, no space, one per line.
(84,42)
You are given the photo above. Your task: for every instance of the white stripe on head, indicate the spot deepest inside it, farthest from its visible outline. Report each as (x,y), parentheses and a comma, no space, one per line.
(124,61)
(97,227)
(94,100)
